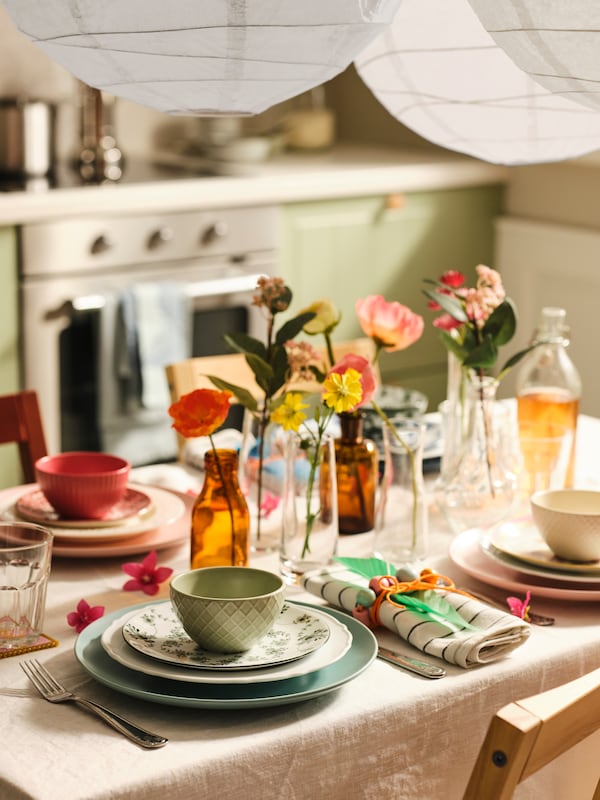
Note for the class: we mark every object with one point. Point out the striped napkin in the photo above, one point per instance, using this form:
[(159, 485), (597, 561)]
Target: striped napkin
[(492, 633)]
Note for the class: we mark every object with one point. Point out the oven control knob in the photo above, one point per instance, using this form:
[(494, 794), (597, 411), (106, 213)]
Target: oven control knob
[(100, 245), (216, 231), (159, 237)]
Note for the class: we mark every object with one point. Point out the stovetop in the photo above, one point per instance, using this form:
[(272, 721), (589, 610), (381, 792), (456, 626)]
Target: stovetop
[(66, 176)]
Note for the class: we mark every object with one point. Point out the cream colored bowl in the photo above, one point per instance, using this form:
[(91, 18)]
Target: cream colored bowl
[(569, 521), (227, 609)]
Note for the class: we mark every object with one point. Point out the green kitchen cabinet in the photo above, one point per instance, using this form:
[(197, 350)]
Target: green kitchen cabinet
[(348, 248), (10, 470)]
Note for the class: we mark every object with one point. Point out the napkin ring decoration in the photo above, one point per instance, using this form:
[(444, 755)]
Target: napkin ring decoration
[(385, 588)]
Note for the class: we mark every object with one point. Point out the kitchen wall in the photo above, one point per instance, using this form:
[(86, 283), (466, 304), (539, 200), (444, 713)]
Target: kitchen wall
[(564, 194)]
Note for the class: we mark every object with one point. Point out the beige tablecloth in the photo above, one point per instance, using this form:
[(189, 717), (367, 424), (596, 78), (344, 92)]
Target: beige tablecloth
[(386, 733)]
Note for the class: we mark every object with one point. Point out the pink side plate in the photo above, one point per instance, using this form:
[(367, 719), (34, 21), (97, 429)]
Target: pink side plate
[(159, 526), (170, 535), (466, 553), (35, 507)]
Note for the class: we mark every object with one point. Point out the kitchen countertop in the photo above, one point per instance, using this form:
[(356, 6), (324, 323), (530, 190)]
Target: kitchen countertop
[(343, 171)]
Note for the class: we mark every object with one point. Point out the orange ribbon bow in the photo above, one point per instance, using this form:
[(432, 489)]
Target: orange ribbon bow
[(385, 586)]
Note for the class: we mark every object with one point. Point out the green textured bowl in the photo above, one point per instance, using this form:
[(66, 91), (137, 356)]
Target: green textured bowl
[(227, 609)]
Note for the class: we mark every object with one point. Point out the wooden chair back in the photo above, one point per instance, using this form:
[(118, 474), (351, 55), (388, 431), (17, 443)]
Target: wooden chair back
[(526, 735), (21, 423), (185, 376), (189, 374)]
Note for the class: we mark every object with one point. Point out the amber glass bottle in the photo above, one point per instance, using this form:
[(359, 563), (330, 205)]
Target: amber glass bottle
[(220, 517), (356, 466)]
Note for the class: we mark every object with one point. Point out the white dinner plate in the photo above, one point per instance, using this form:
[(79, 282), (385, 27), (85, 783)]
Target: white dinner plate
[(167, 508), (521, 539), (97, 663), (156, 631), (530, 569), (340, 640), (465, 551)]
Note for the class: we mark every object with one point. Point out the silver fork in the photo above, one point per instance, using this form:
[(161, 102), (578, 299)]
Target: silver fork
[(51, 690)]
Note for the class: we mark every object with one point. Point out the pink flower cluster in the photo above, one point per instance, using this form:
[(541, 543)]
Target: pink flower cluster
[(301, 356), (479, 302)]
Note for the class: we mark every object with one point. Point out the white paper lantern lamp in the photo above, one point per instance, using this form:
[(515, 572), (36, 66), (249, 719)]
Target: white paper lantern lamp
[(439, 72), (556, 43), (206, 57)]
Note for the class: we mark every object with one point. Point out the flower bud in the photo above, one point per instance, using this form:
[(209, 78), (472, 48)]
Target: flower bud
[(325, 320)]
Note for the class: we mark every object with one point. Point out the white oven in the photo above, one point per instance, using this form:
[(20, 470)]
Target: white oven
[(77, 278)]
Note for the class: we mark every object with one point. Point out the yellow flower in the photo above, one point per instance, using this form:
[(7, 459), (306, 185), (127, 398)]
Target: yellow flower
[(290, 413), (342, 391)]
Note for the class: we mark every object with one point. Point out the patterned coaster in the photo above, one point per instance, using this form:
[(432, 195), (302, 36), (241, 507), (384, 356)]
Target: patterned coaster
[(42, 643)]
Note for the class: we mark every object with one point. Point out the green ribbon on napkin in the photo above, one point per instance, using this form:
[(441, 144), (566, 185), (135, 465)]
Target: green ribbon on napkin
[(418, 595)]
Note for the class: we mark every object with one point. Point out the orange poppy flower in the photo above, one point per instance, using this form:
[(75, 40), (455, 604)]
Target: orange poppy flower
[(201, 412)]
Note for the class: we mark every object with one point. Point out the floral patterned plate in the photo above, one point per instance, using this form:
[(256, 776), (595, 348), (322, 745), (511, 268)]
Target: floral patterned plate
[(156, 632), (338, 644)]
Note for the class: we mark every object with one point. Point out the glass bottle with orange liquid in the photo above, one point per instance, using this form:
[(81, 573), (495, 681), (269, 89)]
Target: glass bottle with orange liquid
[(220, 517), (548, 384)]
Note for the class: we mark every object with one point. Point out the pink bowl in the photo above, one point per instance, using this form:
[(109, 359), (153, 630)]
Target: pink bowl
[(82, 485)]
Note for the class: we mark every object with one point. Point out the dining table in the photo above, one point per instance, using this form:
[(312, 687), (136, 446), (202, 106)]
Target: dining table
[(377, 731)]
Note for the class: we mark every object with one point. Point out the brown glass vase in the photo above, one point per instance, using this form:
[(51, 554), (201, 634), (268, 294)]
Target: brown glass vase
[(356, 467), (220, 518)]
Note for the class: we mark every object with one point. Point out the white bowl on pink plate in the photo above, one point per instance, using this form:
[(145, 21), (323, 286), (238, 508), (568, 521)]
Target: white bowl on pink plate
[(569, 522)]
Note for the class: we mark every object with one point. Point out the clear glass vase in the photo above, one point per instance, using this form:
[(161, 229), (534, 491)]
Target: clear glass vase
[(402, 519), (483, 487), (309, 532), (261, 478), (455, 417)]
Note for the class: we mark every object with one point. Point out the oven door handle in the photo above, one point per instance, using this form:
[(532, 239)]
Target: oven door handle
[(220, 286), (212, 288)]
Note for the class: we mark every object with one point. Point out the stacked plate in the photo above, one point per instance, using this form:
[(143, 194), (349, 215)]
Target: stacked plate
[(513, 555), (144, 652), (146, 518)]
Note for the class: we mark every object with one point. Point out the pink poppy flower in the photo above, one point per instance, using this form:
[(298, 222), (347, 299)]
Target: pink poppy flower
[(146, 575), (84, 615), (392, 326), (363, 367), (520, 608)]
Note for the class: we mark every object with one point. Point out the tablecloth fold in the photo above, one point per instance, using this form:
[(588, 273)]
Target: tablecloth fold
[(496, 633)]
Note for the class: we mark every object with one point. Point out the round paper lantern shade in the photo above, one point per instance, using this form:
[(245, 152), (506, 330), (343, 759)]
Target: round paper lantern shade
[(557, 43), (205, 57), (438, 71)]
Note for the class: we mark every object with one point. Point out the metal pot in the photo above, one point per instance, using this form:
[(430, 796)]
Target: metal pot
[(27, 137)]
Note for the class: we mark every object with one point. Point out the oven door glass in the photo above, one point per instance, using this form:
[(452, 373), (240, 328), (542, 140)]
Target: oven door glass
[(79, 353)]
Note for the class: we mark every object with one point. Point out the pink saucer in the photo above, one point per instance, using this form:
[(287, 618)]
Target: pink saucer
[(34, 507)]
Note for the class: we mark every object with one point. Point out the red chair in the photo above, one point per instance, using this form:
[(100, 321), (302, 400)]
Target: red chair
[(21, 422)]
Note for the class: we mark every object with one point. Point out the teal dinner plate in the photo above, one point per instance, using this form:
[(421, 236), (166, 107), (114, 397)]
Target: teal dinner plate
[(94, 659)]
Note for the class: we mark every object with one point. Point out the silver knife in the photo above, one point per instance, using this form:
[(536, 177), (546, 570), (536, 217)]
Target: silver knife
[(411, 664)]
